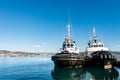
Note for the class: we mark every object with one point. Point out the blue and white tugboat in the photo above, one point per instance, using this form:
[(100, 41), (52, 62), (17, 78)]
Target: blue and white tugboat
[(69, 55), (97, 54)]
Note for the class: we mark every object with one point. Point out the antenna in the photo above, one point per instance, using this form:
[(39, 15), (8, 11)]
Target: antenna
[(68, 26), (68, 30), (94, 34)]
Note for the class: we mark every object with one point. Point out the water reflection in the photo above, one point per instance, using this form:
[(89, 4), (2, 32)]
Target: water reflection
[(84, 74), (102, 74), (68, 73)]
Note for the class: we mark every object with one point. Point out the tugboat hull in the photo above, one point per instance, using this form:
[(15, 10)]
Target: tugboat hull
[(68, 60), (102, 59), (69, 63), (103, 63)]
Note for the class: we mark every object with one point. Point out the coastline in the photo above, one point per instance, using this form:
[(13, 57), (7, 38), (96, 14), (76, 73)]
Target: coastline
[(5, 53)]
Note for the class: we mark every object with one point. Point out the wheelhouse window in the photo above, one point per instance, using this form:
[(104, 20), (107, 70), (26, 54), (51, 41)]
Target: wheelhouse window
[(101, 45), (71, 45), (96, 45), (68, 45), (92, 46)]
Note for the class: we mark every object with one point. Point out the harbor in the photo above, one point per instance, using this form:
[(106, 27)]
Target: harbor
[(59, 39)]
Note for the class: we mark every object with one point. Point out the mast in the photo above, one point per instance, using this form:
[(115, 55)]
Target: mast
[(68, 26), (94, 35), (68, 30)]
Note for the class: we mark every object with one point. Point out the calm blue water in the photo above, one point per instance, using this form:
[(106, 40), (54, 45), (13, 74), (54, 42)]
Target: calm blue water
[(42, 68)]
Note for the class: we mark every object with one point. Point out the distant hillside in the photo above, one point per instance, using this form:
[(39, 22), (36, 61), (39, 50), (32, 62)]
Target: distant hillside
[(116, 52), (6, 53)]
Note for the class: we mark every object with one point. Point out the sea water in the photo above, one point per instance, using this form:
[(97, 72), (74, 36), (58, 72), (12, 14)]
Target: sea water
[(42, 68)]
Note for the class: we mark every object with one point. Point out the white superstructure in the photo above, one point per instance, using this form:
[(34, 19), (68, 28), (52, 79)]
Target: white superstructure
[(69, 45), (95, 45)]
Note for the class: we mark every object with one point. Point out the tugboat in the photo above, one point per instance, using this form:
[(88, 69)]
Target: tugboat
[(98, 55), (69, 55)]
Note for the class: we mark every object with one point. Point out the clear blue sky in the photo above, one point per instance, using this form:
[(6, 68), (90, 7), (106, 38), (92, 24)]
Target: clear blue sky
[(40, 25)]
